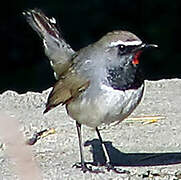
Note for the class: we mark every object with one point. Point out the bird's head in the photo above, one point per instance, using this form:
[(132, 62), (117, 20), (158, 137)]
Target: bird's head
[(122, 50)]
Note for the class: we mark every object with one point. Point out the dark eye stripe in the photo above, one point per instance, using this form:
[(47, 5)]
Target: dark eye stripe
[(126, 49)]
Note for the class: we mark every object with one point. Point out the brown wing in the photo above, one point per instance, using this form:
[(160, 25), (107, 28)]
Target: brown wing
[(65, 90)]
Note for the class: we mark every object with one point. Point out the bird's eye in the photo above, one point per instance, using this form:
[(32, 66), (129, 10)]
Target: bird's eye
[(121, 47)]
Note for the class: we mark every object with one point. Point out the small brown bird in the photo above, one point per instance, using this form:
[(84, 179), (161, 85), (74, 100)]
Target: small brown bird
[(101, 83)]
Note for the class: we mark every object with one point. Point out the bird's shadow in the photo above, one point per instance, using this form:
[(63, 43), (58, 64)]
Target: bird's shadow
[(118, 158)]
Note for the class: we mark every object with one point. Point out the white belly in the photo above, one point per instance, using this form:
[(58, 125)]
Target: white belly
[(108, 106)]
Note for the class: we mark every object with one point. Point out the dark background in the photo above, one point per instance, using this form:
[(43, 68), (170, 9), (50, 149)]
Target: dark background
[(24, 67)]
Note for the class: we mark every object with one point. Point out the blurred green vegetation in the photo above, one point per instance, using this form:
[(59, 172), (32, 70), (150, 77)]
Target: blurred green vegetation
[(25, 67)]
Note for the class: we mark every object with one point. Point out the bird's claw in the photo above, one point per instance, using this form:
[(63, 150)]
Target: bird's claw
[(110, 167), (84, 168)]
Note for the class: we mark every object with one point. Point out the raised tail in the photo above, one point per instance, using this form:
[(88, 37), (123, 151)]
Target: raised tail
[(58, 51)]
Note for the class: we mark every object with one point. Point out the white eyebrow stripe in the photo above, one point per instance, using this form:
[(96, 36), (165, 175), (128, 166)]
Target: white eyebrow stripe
[(128, 43)]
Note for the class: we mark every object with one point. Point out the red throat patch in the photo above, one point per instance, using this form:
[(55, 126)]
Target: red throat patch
[(136, 58)]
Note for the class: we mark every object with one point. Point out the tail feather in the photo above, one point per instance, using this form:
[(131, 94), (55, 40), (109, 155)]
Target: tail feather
[(42, 24), (57, 50)]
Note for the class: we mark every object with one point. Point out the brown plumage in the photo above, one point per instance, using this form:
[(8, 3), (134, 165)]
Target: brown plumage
[(68, 87)]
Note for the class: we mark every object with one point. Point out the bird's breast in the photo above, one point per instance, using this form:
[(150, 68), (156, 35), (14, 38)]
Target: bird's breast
[(104, 105)]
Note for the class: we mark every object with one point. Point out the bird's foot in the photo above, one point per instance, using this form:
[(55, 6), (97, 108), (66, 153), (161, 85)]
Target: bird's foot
[(85, 168), (110, 167)]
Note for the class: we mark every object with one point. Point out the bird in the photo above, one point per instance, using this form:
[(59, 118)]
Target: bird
[(99, 84)]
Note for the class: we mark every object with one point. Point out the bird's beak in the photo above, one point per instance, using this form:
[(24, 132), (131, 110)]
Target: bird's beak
[(147, 46), (140, 49), (144, 46)]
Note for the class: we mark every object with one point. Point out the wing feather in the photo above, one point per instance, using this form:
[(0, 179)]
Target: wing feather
[(65, 90)]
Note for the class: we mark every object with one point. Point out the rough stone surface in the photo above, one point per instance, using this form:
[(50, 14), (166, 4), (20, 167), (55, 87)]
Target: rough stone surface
[(143, 150)]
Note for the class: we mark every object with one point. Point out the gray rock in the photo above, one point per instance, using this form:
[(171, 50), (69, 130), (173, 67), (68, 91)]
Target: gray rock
[(136, 147)]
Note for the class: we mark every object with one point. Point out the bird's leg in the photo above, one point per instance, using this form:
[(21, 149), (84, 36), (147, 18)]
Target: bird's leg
[(82, 164), (108, 164), (103, 147)]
